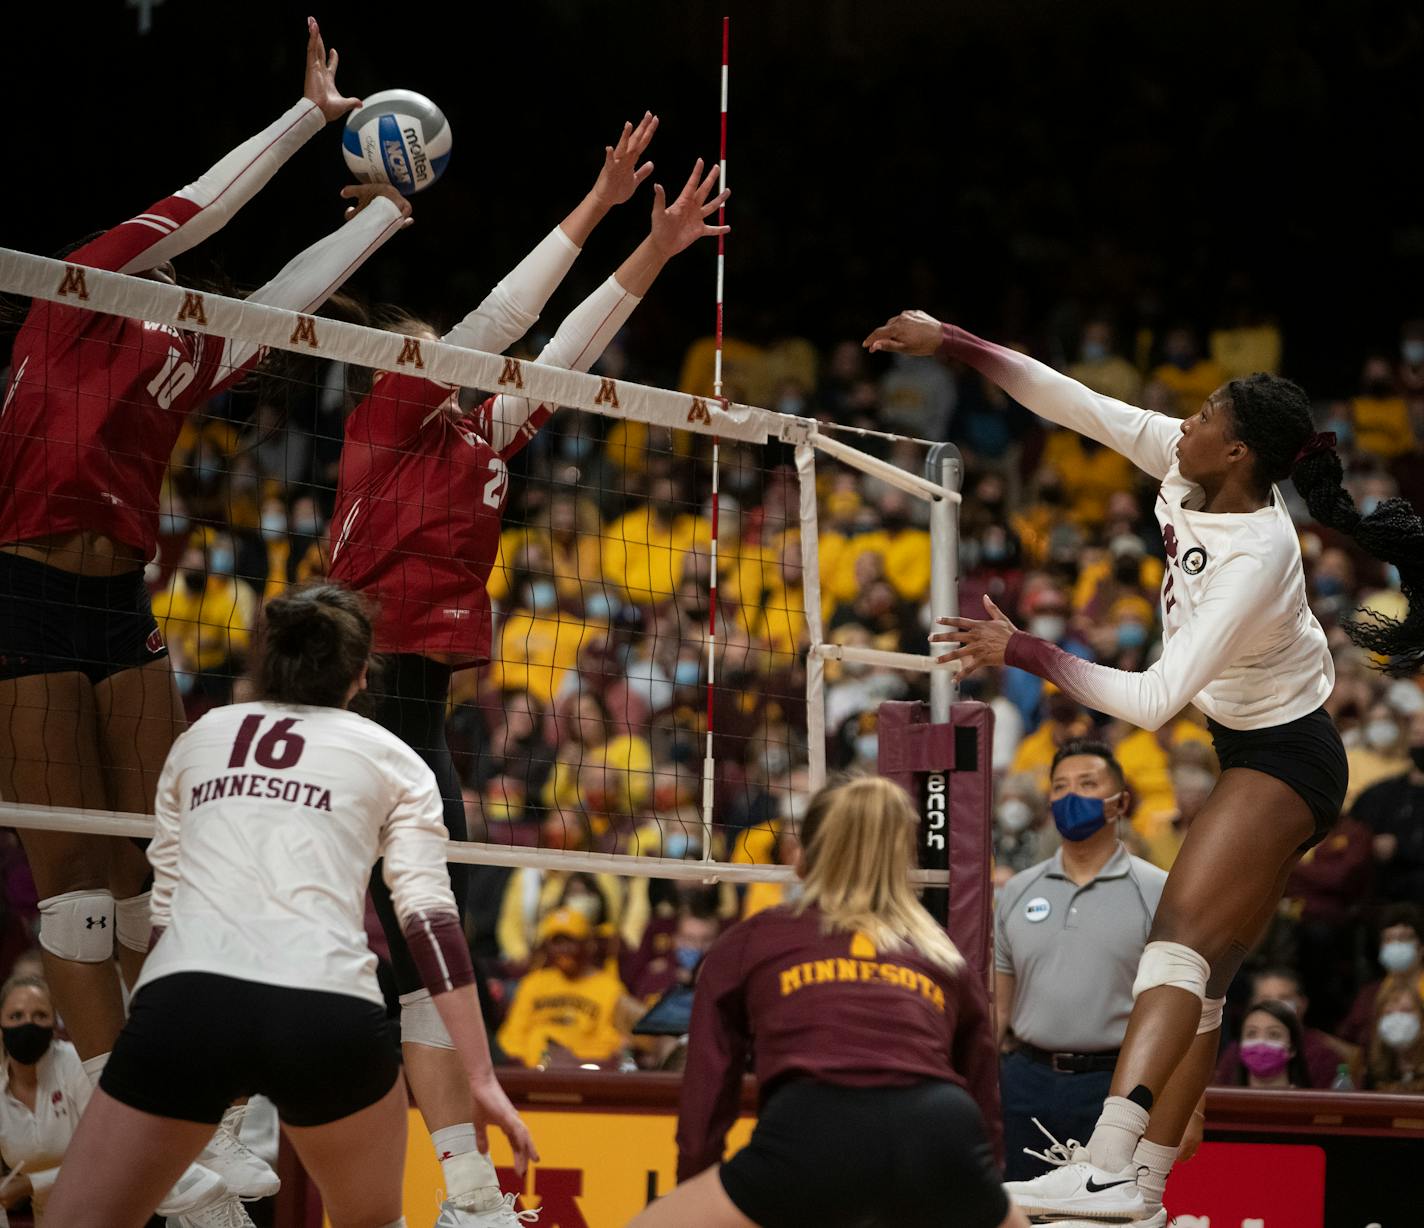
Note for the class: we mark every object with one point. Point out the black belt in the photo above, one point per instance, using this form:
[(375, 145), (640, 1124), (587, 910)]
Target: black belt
[(1069, 1063)]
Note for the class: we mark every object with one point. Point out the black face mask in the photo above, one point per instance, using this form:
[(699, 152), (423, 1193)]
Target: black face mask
[(27, 1042), (1417, 754), (195, 580)]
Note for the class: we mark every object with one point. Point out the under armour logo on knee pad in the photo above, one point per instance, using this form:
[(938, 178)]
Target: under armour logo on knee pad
[(96, 923)]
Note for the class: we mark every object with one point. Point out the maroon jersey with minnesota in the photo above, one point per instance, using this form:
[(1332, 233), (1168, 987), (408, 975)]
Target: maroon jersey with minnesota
[(418, 511), (811, 1004)]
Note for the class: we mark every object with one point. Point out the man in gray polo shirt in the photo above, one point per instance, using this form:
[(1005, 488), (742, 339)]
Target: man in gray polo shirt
[(1068, 937)]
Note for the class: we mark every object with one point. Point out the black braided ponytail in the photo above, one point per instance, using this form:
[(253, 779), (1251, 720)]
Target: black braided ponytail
[(1272, 417)]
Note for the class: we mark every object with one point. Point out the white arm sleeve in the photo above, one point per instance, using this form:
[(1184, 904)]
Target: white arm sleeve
[(311, 277), (163, 849), (1206, 645), (510, 309), (413, 843), (1147, 439), (232, 182), (577, 345)]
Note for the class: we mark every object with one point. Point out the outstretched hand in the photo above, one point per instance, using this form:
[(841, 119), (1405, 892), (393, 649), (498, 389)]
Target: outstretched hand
[(321, 77), (364, 193), (982, 642), (910, 332), (680, 224), (621, 175)]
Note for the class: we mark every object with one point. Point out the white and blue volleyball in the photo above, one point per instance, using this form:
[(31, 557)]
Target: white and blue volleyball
[(397, 137)]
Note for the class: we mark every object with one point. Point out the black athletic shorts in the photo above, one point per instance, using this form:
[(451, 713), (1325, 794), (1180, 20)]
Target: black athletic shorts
[(53, 621), (1305, 753), (862, 1157), (195, 1042)]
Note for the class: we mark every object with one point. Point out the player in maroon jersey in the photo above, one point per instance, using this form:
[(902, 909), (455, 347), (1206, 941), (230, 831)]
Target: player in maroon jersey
[(416, 527), (872, 1044), (88, 705)]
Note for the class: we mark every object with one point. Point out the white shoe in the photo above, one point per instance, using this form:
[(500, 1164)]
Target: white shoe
[(1076, 1187), (225, 1213), (502, 1216), (196, 1190), (1152, 1221), (246, 1173)]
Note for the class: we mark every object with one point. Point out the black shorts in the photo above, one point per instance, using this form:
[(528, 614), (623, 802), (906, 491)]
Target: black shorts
[(861, 1157), (1305, 754), (53, 621), (195, 1042)]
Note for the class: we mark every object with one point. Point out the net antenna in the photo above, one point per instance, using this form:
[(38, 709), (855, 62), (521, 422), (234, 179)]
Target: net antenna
[(709, 764)]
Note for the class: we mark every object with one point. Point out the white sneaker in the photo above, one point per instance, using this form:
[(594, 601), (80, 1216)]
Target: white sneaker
[(246, 1173), (502, 1216), (1159, 1220), (197, 1189), (1075, 1186), (225, 1213)]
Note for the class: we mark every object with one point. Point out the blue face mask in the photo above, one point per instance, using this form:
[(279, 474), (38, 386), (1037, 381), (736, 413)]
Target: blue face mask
[(221, 561), (543, 596), (1094, 351), (1131, 635), (1078, 817), (687, 673), (676, 845), (687, 958)]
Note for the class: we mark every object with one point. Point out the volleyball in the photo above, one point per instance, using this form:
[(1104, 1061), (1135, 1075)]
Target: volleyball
[(397, 137)]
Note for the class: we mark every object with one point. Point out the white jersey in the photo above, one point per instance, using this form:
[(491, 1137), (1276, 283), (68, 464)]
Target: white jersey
[(269, 818), (1239, 638)]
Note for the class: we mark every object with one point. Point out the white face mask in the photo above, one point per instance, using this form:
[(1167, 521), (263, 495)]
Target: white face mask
[(1398, 957), (1048, 627), (1399, 1029), (1014, 814), (1381, 734)]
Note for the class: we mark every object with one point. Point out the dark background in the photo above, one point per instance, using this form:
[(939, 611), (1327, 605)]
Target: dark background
[(1009, 163)]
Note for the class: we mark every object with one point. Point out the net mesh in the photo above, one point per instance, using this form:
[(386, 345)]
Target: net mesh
[(581, 741)]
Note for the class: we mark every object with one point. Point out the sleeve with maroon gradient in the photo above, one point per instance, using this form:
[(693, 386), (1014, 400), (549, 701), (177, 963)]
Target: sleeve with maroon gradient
[(1148, 440), (974, 1056), (182, 221), (413, 851), (1196, 654), (719, 1043)]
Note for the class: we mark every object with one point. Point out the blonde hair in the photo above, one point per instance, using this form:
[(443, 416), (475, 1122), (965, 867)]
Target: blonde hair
[(858, 846)]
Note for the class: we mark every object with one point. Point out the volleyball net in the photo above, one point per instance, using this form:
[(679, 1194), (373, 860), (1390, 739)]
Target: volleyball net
[(610, 732)]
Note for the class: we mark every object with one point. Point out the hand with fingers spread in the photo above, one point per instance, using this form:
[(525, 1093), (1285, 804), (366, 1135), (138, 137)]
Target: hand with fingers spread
[(364, 193), (321, 77), (982, 642), (680, 224), (621, 174), (910, 332)]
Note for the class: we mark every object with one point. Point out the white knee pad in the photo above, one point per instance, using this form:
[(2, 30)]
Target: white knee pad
[(78, 925), (1170, 963), (421, 1023), (1211, 1015), (133, 925)]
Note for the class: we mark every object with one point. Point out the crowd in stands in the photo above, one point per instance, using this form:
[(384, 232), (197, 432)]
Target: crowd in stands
[(587, 730)]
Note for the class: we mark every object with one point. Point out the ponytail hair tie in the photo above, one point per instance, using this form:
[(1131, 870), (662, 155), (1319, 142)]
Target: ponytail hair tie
[(1324, 441)]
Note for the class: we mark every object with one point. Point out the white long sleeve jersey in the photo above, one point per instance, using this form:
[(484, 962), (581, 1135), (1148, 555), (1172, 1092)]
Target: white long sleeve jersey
[(269, 818), (1239, 639)]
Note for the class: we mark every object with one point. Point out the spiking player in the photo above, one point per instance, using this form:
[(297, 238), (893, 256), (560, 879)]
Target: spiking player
[(1241, 643), (416, 528), (88, 705), (269, 816)]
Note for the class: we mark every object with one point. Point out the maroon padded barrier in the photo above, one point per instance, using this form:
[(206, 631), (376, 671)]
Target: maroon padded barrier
[(946, 770)]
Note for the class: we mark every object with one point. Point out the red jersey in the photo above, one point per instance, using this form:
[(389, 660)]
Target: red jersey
[(803, 1002), (97, 401), (418, 512)]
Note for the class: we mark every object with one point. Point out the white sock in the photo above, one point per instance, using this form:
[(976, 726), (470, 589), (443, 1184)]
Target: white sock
[(470, 1180), (94, 1067), (1120, 1126), (1157, 1160)]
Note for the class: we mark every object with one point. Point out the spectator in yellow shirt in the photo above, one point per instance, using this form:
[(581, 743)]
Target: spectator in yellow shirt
[(1102, 368), (1191, 377), (206, 616), (539, 643), (1088, 473), (568, 1008), (1382, 426), (644, 550)]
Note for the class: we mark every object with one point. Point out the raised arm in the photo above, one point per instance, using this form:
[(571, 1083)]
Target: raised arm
[(512, 307), (1148, 440), (585, 334), (192, 214)]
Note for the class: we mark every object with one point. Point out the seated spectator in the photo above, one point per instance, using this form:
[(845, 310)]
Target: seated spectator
[(1382, 426), (567, 1009), (43, 1091), (644, 550), (1321, 1054), (1382, 751), (1401, 956), (1269, 1051), (1162, 836), (1023, 834), (533, 894), (695, 931), (1065, 722), (1393, 810), (1102, 367), (917, 397), (1090, 474), (1190, 377), (1397, 1044), (1045, 613)]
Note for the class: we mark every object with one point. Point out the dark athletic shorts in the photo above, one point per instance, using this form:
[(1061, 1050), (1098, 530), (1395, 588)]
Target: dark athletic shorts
[(863, 1157), (1305, 753), (195, 1042), (53, 621)]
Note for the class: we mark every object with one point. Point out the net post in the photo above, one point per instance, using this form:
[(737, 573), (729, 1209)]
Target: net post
[(944, 466), (811, 599)]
